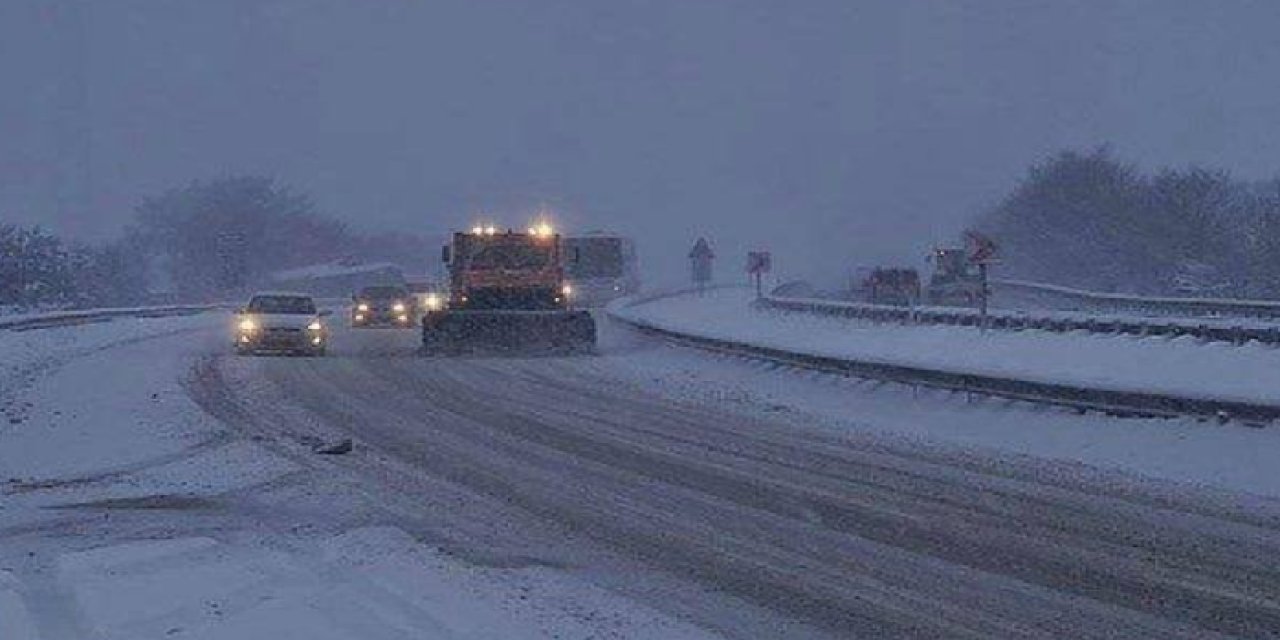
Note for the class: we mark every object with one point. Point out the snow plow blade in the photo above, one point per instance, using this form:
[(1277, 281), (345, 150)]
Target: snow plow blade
[(509, 331)]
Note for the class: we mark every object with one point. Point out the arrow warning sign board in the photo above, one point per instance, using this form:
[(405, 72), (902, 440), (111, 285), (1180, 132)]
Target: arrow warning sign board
[(759, 262)]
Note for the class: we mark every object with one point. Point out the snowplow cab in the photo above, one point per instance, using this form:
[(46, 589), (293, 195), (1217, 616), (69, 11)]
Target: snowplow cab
[(507, 290)]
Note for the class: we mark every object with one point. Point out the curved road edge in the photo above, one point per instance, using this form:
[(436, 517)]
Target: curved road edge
[(1116, 402)]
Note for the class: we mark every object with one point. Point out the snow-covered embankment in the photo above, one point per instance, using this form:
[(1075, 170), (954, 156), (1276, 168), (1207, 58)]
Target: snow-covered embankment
[(1183, 367)]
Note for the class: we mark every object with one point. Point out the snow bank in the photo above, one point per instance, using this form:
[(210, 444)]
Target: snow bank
[(1178, 366), (371, 583), (71, 405)]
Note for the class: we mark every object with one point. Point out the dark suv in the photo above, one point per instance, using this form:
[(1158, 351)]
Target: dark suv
[(386, 306)]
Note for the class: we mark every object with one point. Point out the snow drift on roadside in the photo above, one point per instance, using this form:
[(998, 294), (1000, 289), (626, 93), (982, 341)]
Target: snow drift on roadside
[(1181, 366)]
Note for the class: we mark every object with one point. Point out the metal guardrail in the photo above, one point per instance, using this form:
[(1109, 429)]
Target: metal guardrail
[(88, 316), (1237, 332), (1117, 402), (1148, 305)]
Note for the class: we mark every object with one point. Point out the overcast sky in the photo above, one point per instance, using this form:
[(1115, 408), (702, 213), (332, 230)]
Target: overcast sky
[(832, 131)]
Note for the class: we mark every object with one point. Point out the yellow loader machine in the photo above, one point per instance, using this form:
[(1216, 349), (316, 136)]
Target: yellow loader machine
[(507, 291)]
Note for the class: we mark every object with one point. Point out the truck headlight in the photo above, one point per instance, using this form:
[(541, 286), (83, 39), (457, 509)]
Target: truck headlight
[(315, 326), (362, 307), (247, 325)]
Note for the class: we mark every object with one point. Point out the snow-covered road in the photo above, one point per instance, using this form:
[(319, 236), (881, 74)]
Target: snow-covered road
[(156, 487)]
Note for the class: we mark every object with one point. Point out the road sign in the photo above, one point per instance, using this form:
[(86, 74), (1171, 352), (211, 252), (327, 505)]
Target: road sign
[(700, 258), (759, 262), (982, 252), (982, 249)]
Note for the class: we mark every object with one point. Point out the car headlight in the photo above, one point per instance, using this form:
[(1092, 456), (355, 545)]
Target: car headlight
[(315, 326), (247, 325), (362, 307), (433, 302), (398, 307), (566, 290)]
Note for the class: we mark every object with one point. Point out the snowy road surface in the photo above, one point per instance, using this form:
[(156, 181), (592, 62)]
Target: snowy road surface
[(161, 488)]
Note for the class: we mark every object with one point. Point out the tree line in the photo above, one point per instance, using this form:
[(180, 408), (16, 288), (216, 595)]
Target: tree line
[(1090, 220), (206, 240)]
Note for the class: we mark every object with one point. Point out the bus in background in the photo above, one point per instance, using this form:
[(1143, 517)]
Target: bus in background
[(601, 268)]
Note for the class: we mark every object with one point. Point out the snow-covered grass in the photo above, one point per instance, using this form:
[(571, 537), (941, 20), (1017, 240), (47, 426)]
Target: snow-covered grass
[(372, 583), (27, 357), (1181, 366)]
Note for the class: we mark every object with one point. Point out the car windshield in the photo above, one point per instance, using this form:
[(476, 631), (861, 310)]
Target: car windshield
[(383, 293), (289, 305)]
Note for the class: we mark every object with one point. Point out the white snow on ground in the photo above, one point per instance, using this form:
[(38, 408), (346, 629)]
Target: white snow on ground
[(1183, 366), (370, 583), (1229, 457), (26, 357), (98, 413)]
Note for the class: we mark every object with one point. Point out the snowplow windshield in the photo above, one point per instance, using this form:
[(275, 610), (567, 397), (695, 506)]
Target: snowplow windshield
[(510, 256), (286, 305)]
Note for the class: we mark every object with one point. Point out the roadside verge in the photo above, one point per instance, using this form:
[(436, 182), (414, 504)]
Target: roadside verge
[(724, 330)]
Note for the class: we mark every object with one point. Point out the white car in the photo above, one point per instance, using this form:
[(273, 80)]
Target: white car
[(281, 323)]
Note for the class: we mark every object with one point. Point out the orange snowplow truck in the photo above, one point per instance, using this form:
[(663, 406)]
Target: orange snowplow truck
[(507, 290)]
